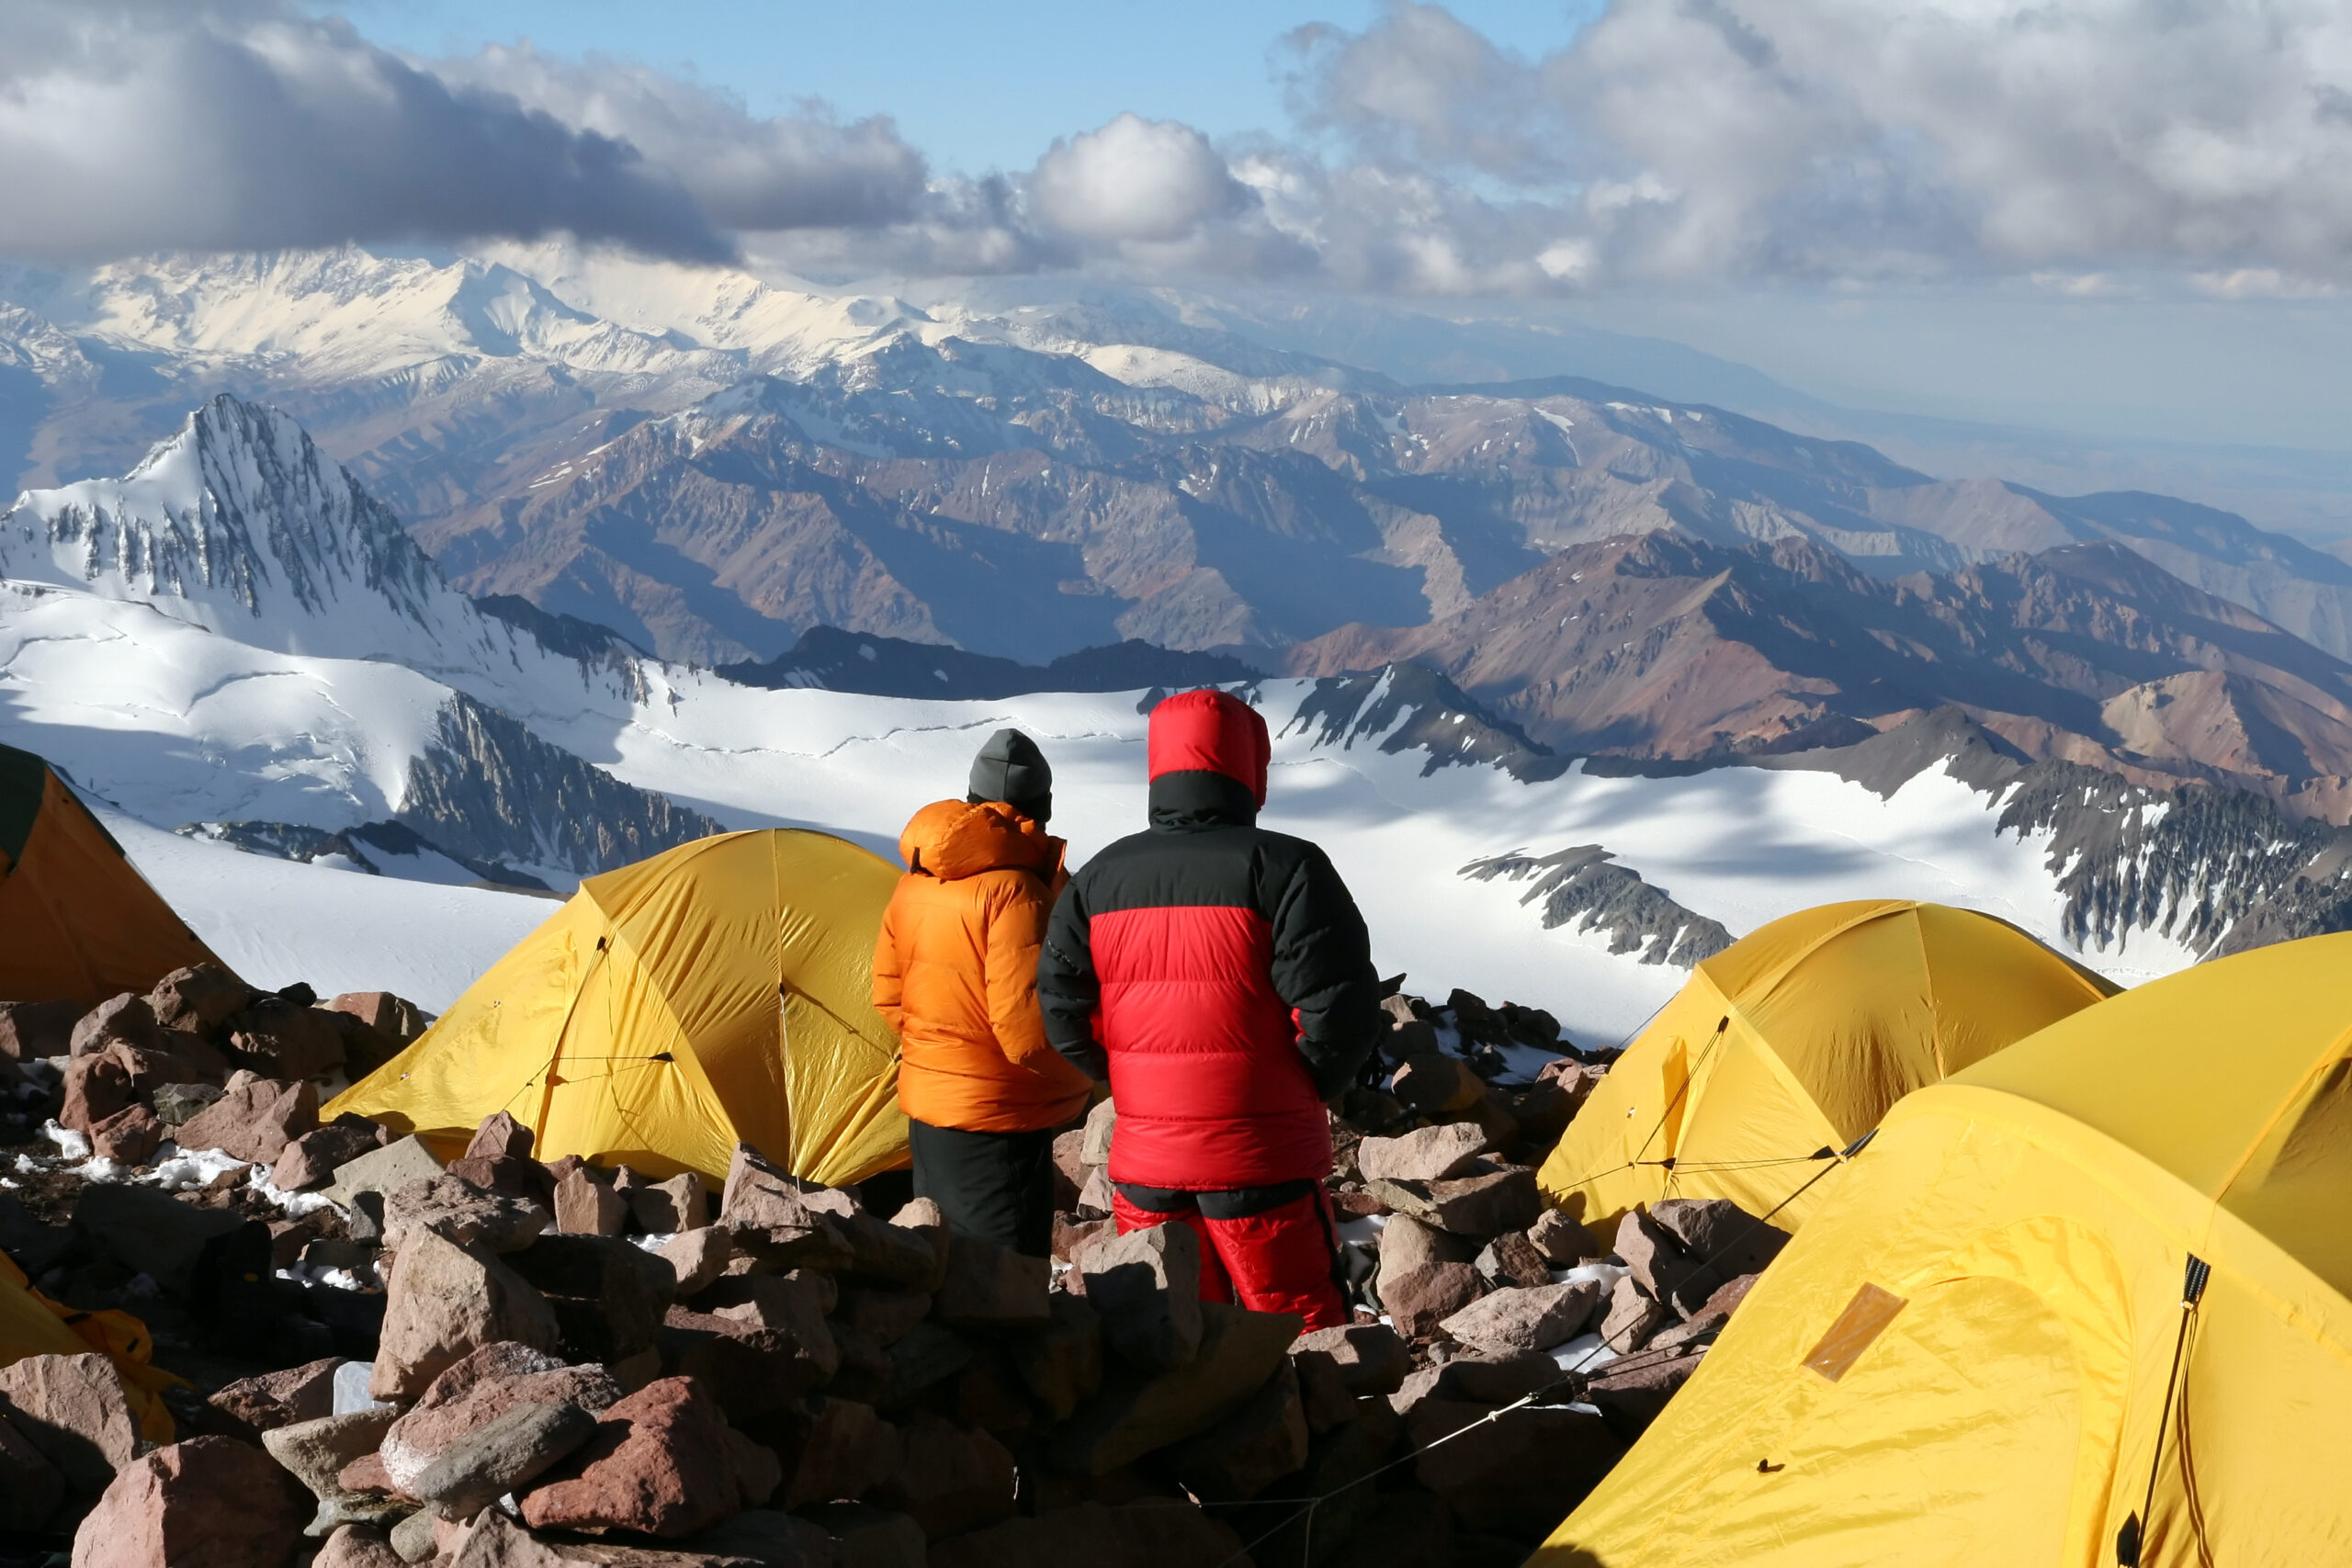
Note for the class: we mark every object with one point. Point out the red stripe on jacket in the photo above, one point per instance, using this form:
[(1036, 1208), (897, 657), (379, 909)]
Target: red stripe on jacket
[(1205, 1064)]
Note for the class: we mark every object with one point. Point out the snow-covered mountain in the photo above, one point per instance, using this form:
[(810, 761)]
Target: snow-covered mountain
[(575, 428), (233, 677)]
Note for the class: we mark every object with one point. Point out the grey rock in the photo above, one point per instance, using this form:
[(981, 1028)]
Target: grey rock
[(1526, 1317), (316, 1452), (385, 1170), (501, 1457)]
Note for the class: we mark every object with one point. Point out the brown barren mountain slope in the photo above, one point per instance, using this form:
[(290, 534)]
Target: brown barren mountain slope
[(1665, 647)]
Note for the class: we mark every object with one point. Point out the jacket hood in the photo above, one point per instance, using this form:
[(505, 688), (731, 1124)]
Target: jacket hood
[(954, 839), (1214, 732)]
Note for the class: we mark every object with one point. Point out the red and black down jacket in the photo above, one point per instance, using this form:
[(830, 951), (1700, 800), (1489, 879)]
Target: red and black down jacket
[(1216, 974)]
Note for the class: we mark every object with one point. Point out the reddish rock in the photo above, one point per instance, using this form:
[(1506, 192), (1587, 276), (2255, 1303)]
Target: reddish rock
[(1422, 1298), (127, 1018), (511, 1176), (1526, 1318), (663, 1462), (989, 1286), (201, 999), (312, 1159), (775, 1216), (608, 1296), (282, 1040), (1629, 1398), (256, 1404), (1562, 1241), (1249, 1449), (457, 1211), (367, 1474), (1512, 1259), (664, 1207), (1061, 1364), (884, 1314), (1725, 1300), (1133, 1415), (1721, 1233), (1073, 1237), (95, 1088), (357, 1546), (1429, 1154), (442, 1303), (1147, 1286), (1516, 1475), (1435, 1084), (1665, 1271), (751, 1370), (396, 1019), (30, 1487), (700, 1256), (850, 1452), (585, 1205), (254, 1120), (949, 1478), (1631, 1317), (500, 1137), (1370, 1357), (74, 1410), (31, 1030), (480, 1389), (130, 1136), (206, 1502)]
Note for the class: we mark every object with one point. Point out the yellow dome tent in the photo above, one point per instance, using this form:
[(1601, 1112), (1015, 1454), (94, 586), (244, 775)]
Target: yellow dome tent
[(720, 991), (77, 921), (1792, 1043), (1980, 1349)]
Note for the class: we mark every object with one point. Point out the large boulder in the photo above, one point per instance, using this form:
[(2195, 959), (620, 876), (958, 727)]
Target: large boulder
[(1422, 1299), (991, 1287), (255, 1118), (315, 1452), (201, 999), (443, 1302), (1721, 1233), (396, 1019), (74, 1410), (1429, 1154), (477, 1391), (585, 1203), (774, 1215), (457, 1211), (251, 1406), (127, 1018), (385, 1170), (130, 1136), (609, 1295), (1660, 1265), (312, 1159), (1147, 1286), (1249, 1449), (281, 1039), (662, 1463), (1136, 1413), (31, 1489), (501, 1455), (1516, 1475), (1632, 1316), (1369, 1358), (207, 1503), (34, 1030), (96, 1088), (949, 1478), (1526, 1317)]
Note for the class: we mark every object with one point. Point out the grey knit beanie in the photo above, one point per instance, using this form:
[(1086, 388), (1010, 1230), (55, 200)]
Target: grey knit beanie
[(1010, 768)]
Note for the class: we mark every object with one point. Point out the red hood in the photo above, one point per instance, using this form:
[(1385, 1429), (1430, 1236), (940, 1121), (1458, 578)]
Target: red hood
[(1211, 731)]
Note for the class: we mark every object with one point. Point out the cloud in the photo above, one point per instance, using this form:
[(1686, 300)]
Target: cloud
[(1150, 180), (2061, 143), (127, 128), (790, 171)]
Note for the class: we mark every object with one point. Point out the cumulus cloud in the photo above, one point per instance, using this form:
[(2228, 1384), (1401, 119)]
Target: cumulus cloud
[(2063, 142), (1703, 138), (138, 127), (790, 171)]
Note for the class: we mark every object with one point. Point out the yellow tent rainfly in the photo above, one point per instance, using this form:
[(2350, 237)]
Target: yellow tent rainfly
[(77, 919), (1793, 1043), (717, 992), (2085, 1303)]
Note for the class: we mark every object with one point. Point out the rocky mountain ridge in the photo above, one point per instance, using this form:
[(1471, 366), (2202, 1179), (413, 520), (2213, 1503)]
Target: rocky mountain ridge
[(1021, 479), (1654, 646)]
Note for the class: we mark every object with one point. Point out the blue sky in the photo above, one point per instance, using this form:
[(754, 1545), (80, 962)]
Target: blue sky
[(978, 87)]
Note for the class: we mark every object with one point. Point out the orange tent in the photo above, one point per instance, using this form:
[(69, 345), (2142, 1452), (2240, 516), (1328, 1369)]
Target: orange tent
[(77, 921)]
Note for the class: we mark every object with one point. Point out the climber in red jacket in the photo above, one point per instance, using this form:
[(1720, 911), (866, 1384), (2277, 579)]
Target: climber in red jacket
[(1220, 977)]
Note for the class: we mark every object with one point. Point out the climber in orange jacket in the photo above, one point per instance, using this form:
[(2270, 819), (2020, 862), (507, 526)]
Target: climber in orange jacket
[(955, 974)]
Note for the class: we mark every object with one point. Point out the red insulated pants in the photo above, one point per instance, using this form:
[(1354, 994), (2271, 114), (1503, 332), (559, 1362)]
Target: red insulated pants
[(1270, 1248)]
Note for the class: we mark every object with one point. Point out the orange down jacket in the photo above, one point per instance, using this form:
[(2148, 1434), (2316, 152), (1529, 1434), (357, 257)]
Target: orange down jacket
[(956, 972)]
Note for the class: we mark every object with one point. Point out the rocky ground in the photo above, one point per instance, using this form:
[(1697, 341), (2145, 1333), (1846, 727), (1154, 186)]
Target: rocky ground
[(505, 1362)]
